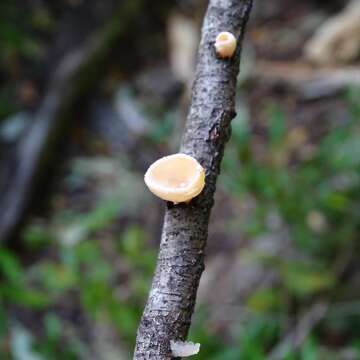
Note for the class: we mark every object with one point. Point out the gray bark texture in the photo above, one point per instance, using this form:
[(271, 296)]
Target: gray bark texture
[(167, 315)]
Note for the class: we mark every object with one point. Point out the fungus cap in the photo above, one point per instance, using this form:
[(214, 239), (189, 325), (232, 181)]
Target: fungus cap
[(225, 44), (177, 178)]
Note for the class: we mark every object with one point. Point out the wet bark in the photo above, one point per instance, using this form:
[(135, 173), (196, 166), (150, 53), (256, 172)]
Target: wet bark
[(171, 301)]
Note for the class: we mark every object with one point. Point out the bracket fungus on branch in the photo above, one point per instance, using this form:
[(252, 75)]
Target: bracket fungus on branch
[(177, 178)]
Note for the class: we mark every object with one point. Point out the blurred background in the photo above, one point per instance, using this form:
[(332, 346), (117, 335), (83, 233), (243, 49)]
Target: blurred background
[(94, 91)]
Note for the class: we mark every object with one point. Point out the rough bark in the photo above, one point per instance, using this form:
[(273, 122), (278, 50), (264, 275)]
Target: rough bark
[(168, 312)]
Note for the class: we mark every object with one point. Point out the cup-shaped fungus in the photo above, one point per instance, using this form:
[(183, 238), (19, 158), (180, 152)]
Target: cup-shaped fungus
[(177, 178), (225, 44)]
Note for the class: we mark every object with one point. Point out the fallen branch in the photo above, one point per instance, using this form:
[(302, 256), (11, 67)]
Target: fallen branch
[(168, 312)]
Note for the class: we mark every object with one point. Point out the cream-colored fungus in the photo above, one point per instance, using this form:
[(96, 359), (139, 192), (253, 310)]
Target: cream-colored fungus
[(225, 44), (177, 178)]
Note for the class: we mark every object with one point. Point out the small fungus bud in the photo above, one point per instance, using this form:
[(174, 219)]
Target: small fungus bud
[(177, 178), (225, 44)]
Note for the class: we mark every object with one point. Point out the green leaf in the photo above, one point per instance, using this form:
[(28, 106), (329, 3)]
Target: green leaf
[(264, 300), (10, 267), (277, 128), (303, 279), (53, 326), (24, 296), (57, 278), (36, 236)]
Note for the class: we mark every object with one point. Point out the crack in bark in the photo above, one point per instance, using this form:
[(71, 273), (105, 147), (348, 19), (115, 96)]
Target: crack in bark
[(181, 259)]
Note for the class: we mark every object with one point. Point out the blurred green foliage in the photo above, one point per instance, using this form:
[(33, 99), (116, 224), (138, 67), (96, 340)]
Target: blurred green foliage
[(312, 188), (82, 270)]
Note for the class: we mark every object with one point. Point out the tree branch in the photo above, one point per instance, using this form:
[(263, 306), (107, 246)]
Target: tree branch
[(168, 312)]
